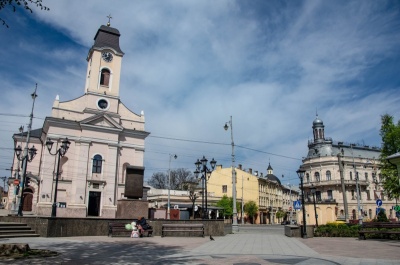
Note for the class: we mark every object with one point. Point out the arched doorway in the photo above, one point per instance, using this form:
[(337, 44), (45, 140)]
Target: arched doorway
[(28, 199)]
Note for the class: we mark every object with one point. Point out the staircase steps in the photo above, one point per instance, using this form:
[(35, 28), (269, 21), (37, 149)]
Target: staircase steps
[(10, 229)]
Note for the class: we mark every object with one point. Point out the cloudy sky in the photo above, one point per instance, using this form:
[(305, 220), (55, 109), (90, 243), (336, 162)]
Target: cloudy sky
[(190, 65)]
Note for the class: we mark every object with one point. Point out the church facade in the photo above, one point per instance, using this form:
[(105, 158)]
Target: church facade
[(106, 140)]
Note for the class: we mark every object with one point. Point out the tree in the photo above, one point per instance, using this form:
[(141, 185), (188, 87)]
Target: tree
[(251, 209), (226, 203), (14, 4), (180, 179), (390, 134)]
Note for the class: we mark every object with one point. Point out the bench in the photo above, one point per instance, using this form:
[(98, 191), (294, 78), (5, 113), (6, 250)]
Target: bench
[(174, 228), (118, 229), (379, 228)]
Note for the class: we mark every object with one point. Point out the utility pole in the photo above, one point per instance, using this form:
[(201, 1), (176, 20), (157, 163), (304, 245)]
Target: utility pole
[(346, 210), (25, 161), (242, 203)]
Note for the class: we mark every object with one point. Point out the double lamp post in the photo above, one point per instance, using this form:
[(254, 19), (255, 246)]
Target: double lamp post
[(62, 150), (201, 168)]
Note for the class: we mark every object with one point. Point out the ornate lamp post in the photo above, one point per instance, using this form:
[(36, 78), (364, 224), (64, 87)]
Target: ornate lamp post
[(300, 172), (169, 185), (313, 190), (61, 152), (26, 157), (201, 167), (235, 227)]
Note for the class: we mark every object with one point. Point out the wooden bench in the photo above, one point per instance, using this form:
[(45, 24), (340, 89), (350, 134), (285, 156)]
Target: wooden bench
[(118, 229), (174, 228), (378, 228)]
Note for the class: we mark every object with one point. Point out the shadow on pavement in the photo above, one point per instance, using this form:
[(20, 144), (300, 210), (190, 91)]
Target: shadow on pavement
[(107, 253)]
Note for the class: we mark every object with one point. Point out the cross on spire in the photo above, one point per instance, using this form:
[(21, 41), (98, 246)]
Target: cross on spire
[(109, 17)]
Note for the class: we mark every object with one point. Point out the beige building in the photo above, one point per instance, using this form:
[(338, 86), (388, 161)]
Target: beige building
[(359, 165), (106, 140), (266, 191)]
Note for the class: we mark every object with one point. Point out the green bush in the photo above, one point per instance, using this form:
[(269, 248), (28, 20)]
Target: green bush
[(337, 230)]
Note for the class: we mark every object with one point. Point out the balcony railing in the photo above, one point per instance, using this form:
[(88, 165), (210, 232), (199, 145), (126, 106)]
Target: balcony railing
[(335, 182)]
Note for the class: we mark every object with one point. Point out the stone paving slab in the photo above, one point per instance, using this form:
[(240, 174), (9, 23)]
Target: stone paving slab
[(237, 249)]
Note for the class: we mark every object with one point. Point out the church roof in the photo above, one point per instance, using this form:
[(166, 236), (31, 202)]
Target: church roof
[(107, 37)]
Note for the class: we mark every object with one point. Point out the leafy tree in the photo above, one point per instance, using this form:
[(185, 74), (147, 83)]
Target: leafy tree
[(382, 216), (390, 134), (25, 4), (251, 209), (180, 179), (226, 203), (280, 214)]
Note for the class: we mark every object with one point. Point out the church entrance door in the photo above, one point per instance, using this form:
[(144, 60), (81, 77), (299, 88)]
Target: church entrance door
[(94, 203), (27, 203)]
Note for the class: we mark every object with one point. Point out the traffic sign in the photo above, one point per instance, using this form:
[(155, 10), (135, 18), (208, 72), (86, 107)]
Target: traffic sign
[(16, 182), (379, 202), (297, 205)]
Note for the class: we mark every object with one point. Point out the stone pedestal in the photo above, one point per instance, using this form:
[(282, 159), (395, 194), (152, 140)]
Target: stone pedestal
[(132, 209)]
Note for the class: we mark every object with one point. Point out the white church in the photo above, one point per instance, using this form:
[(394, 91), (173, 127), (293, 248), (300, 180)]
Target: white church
[(106, 143)]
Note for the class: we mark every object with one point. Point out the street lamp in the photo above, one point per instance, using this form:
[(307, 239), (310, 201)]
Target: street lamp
[(26, 157), (313, 189), (169, 185), (201, 166), (61, 152), (300, 172), (235, 227), (291, 204)]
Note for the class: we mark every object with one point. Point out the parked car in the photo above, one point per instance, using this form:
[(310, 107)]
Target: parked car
[(1, 206)]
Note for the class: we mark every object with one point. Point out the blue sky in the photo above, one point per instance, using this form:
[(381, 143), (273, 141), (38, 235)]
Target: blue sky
[(190, 65)]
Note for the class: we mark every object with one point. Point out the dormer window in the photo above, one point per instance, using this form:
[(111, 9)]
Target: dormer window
[(105, 77)]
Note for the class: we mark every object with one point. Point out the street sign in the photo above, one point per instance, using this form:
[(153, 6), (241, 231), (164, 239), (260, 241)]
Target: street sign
[(379, 202), (297, 205), (16, 182)]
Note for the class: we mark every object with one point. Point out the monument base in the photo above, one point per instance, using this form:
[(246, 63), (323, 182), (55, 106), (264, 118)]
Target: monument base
[(132, 209)]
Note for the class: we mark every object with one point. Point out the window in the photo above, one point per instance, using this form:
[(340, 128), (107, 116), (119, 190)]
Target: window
[(330, 195), (105, 77), (368, 195), (351, 175), (317, 178), (97, 162), (307, 178), (352, 194), (328, 175), (318, 196), (224, 189), (366, 176)]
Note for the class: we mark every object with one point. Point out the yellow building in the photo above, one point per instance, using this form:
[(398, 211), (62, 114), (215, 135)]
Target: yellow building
[(266, 191)]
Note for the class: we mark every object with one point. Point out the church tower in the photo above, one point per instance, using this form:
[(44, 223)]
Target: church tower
[(104, 63)]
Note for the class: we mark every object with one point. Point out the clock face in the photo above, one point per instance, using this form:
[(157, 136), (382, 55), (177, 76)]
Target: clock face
[(107, 56)]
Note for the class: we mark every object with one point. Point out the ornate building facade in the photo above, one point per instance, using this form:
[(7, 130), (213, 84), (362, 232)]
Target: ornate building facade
[(342, 174)]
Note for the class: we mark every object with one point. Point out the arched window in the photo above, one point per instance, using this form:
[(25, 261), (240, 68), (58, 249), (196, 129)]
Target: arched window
[(97, 163), (317, 177), (105, 77), (328, 175), (307, 178)]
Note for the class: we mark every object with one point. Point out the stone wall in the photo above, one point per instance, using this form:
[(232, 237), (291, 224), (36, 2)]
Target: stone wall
[(68, 227)]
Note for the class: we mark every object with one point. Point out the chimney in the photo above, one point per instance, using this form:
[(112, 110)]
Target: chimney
[(250, 170), (240, 166), (219, 167), (261, 175)]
